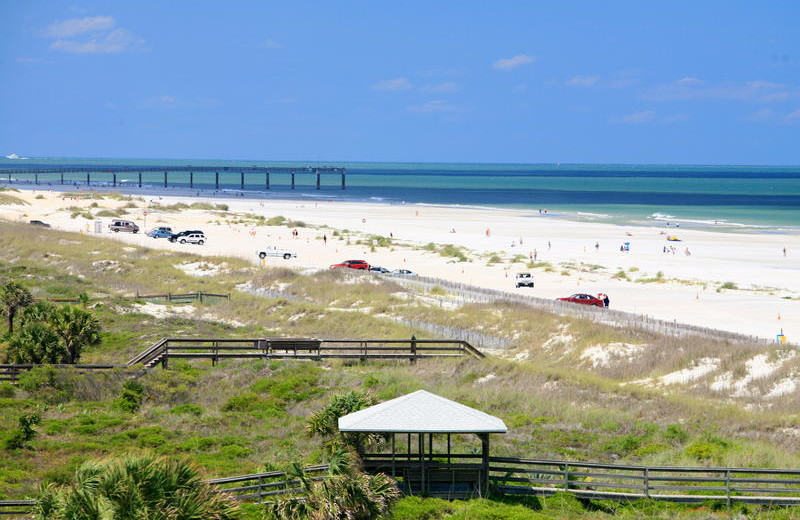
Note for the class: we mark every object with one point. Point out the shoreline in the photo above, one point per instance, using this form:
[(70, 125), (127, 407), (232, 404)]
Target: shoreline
[(554, 212), (733, 281)]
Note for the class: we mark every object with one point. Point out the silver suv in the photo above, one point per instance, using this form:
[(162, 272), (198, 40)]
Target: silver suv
[(194, 238), (123, 225)]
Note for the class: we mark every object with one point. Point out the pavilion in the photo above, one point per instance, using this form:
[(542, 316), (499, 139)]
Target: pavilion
[(420, 427)]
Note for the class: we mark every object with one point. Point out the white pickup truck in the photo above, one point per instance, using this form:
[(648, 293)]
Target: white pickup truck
[(274, 251)]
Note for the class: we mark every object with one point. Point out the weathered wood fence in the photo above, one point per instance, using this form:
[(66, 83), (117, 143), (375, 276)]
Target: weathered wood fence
[(182, 298), (628, 483)]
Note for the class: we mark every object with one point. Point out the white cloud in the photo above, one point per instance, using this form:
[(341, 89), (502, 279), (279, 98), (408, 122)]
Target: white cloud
[(447, 87), (794, 115), (393, 84), (436, 105), (95, 35), (583, 81), (519, 88), (693, 88), (639, 117), (76, 26), (270, 44), (686, 81), (513, 63)]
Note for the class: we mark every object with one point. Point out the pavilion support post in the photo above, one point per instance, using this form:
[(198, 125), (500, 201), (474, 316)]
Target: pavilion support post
[(394, 471), (483, 485), (292, 180), (423, 480), (216, 180), (448, 448), (430, 447)]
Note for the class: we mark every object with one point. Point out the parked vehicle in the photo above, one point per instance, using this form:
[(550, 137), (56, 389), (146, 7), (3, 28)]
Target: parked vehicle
[(352, 264), (194, 238), (160, 232), (275, 251), (177, 236), (378, 269), (123, 225), (524, 280), (584, 299), (404, 272), (39, 223)]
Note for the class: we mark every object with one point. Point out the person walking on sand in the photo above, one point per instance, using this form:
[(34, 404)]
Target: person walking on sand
[(597, 246), (784, 252), (535, 255), (325, 240)]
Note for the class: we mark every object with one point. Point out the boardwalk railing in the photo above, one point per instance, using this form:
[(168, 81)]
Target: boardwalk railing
[(12, 509), (217, 349), (261, 487), (619, 482)]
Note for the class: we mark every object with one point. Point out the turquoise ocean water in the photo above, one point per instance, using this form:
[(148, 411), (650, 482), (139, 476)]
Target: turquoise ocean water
[(744, 198)]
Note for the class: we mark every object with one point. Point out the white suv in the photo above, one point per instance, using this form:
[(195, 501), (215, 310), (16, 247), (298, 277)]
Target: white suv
[(524, 280), (194, 238)]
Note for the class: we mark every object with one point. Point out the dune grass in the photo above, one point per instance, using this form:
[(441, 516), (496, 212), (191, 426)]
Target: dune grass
[(246, 416)]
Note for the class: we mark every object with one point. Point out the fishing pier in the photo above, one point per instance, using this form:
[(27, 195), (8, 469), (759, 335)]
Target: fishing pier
[(166, 176)]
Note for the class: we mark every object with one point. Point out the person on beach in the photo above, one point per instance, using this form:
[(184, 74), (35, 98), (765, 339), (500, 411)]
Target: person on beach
[(535, 254), (325, 240), (597, 246), (784, 252)]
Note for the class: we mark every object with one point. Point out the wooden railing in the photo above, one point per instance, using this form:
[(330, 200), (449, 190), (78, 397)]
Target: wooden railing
[(667, 483), (182, 298), (216, 349), (12, 509), (260, 487)]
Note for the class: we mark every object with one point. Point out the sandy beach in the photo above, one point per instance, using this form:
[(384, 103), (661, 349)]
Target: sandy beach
[(738, 282)]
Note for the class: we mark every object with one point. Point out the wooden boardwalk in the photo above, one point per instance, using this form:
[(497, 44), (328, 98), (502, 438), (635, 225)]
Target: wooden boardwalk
[(220, 349)]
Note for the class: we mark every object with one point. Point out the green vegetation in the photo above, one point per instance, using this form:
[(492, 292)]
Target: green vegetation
[(135, 486), (457, 253), (52, 334), (242, 416), (11, 200), (728, 285)]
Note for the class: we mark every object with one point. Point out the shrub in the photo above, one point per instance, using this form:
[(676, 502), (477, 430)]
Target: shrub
[(48, 383), (26, 432), (189, 409), (676, 434), (7, 390), (131, 397)]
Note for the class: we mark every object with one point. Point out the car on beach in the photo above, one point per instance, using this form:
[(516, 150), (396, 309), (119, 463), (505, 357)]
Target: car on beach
[(378, 269), (177, 236), (523, 280), (277, 252), (584, 299), (193, 238), (352, 264), (39, 223), (160, 232), (404, 272), (123, 225)]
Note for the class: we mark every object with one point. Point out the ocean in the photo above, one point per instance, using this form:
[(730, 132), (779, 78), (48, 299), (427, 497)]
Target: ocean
[(763, 199)]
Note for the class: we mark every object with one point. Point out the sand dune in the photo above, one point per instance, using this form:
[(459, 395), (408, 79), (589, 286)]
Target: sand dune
[(763, 286)]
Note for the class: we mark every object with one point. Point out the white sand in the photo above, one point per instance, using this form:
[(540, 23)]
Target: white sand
[(766, 301)]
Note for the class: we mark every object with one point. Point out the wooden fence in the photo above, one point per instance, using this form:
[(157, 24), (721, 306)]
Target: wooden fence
[(218, 349), (261, 487), (12, 509), (627, 483), (182, 298)]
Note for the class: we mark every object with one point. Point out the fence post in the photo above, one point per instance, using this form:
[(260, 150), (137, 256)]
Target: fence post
[(566, 477), (728, 487), (200, 296), (647, 482)]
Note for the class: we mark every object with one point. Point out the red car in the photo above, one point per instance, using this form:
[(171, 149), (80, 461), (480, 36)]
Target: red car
[(352, 264), (585, 299)]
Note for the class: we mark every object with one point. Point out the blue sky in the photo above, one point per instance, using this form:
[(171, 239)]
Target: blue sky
[(710, 82)]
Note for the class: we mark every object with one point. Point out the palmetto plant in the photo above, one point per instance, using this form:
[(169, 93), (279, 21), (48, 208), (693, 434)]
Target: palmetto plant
[(13, 296), (135, 487)]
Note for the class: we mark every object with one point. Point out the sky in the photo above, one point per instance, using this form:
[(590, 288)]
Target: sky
[(645, 81)]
